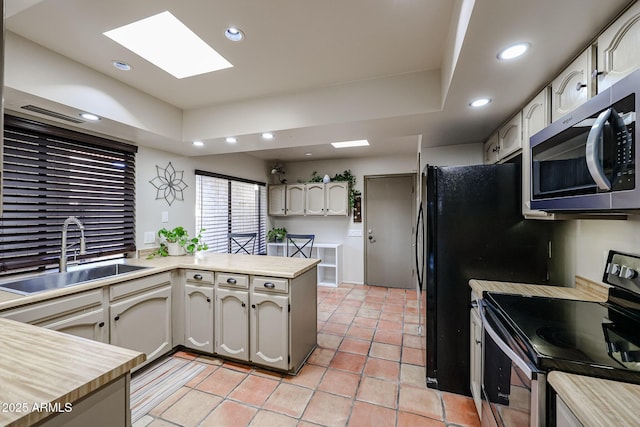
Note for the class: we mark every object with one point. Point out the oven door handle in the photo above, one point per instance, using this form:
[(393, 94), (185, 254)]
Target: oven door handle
[(527, 368), (593, 154)]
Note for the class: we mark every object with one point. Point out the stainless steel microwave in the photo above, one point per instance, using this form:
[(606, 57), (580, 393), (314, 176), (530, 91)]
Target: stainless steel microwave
[(586, 161)]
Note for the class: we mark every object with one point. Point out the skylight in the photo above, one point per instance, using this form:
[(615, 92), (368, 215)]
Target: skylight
[(347, 144), (169, 44)]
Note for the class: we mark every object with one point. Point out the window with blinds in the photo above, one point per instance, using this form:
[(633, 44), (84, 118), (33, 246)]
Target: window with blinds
[(52, 173), (225, 205)]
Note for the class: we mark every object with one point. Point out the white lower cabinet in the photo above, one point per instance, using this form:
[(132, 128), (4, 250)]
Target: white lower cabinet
[(142, 320), (232, 323), (89, 324), (198, 310), (269, 330), (476, 356)]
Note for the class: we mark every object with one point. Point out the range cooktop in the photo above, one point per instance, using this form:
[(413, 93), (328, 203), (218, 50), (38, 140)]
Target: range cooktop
[(590, 338)]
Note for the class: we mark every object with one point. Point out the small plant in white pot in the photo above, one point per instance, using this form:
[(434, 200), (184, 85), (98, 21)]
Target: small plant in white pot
[(178, 242)]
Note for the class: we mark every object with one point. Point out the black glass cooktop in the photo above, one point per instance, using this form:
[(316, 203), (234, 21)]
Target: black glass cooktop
[(582, 337)]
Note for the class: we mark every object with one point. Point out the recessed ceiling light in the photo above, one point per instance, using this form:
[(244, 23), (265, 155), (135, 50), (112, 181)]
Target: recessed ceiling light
[(234, 34), (267, 135), (231, 140), (308, 154), (121, 65), (480, 102), (347, 144), (513, 51), (89, 116), (198, 143), (169, 44)]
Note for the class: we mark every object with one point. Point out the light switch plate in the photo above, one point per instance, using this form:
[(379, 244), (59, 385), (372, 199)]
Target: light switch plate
[(149, 237), (355, 232), (165, 216)]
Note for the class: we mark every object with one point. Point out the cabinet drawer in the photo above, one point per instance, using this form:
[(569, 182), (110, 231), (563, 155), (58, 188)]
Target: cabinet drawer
[(270, 284), (199, 276), (54, 308), (232, 280), (138, 285)]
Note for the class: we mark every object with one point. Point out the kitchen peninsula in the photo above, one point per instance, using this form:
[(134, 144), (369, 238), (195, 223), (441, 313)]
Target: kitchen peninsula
[(170, 303)]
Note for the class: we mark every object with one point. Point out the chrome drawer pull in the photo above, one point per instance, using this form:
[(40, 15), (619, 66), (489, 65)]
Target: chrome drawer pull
[(231, 281), (269, 285), (197, 276)]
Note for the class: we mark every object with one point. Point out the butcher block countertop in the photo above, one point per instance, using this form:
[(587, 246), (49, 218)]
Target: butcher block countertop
[(584, 290), (272, 266), (40, 366), (597, 402)]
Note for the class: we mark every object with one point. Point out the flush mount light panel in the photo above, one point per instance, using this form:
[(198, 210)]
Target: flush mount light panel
[(170, 45), (347, 144), (198, 143)]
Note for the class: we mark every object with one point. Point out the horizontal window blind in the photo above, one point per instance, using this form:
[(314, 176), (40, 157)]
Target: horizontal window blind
[(230, 205), (52, 173)]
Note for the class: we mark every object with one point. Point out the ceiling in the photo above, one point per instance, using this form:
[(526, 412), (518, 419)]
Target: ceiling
[(395, 72)]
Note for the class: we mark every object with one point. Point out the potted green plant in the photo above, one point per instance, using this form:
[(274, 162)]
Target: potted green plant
[(276, 234), (177, 242)]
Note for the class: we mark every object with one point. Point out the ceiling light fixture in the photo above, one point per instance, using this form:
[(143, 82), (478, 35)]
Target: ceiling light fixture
[(169, 44), (231, 139), (480, 102), (89, 116), (234, 34), (121, 65), (514, 51), (267, 135), (347, 144), (198, 143), (308, 154)]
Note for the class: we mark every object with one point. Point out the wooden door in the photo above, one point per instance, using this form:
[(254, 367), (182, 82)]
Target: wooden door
[(232, 323), (270, 330), (618, 48), (198, 310), (389, 226), (573, 86)]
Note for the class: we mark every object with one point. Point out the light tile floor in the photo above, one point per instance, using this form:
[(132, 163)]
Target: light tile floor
[(368, 370)]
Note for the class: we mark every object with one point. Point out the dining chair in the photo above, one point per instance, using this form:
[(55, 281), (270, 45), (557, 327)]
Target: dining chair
[(242, 243), (300, 244)]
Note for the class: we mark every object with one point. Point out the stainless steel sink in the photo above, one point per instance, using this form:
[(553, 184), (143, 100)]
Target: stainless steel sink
[(50, 281)]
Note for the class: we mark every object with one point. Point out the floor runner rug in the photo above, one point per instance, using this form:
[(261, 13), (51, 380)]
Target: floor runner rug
[(153, 386)]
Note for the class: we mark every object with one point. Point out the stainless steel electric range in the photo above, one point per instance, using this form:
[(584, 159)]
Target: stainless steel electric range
[(526, 337)]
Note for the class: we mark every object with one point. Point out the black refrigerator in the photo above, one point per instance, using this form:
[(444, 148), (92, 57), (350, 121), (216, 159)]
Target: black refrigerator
[(474, 229)]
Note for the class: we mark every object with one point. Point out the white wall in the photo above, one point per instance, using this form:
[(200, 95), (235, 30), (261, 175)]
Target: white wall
[(580, 247), (149, 209), (336, 229)]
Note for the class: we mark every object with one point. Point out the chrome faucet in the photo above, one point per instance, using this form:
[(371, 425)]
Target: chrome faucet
[(64, 247)]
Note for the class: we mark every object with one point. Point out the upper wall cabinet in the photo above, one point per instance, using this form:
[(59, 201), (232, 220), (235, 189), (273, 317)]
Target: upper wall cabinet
[(490, 149), (510, 137), (505, 142), (618, 48), (535, 117), (573, 86), (277, 197), (309, 199)]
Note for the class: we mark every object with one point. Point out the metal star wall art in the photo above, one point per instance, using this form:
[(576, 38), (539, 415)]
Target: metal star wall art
[(169, 184)]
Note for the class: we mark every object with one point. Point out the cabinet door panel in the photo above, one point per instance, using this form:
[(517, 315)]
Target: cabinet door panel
[(231, 323), (337, 198), (270, 330), (491, 149), (573, 86), (295, 199), (276, 200), (90, 325), (510, 137), (618, 48), (199, 317), (143, 322), (315, 199)]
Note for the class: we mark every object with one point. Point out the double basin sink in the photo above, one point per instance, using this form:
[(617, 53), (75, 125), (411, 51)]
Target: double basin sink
[(51, 281)]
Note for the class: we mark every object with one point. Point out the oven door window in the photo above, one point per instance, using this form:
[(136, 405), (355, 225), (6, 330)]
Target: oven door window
[(559, 164), (506, 389)]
